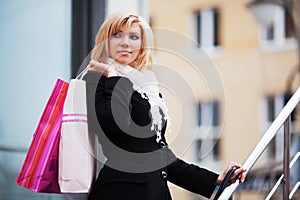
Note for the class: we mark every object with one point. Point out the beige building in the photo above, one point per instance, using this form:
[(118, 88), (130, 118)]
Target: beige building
[(224, 93)]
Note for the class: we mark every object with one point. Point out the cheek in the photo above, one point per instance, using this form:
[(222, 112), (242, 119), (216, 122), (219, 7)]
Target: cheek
[(112, 45), (137, 45)]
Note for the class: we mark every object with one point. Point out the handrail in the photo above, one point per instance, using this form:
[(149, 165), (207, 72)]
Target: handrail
[(12, 149), (281, 177), (294, 190), (264, 141)]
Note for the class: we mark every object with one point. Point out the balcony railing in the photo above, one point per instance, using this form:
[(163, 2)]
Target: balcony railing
[(296, 157), (284, 118)]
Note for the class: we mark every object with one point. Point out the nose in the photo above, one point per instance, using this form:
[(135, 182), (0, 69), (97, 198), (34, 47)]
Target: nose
[(125, 41)]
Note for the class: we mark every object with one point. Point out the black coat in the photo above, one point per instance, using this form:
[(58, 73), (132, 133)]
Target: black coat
[(138, 167)]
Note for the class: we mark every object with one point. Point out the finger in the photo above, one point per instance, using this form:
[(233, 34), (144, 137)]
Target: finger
[(92, 65), (229, 166), (243, 177), (239, 174), (96, 66), (236, 165), (92, 62), (92, 68)]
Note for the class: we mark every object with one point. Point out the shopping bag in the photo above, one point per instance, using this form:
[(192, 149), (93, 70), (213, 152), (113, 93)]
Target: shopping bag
[(77, 149), (40, 168)]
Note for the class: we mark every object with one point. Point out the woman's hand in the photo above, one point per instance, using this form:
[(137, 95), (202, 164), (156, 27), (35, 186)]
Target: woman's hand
[(102, 68), (239, 173)]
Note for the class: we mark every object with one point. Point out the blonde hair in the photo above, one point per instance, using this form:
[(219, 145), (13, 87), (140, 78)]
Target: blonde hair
[(113, 24)]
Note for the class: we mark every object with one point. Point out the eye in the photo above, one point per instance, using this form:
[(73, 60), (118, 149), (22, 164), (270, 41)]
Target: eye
[(117, 35), (134, 37)]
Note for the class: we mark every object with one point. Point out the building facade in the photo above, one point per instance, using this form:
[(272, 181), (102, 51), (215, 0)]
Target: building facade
[(257, 65)]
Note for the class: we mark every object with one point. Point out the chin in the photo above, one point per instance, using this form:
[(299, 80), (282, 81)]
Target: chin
[(123, 62)]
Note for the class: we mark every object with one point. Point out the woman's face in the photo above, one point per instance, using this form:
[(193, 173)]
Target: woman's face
[(125, 45)]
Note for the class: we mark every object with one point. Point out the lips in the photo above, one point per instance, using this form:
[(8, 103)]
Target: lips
[(124, 52)]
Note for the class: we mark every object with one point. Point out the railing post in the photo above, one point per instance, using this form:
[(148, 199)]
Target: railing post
[(286, 158)]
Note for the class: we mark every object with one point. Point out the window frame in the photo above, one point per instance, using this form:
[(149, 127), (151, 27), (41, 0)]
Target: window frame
[(281, 35), (208, 131), (275, 148), (207, 28)]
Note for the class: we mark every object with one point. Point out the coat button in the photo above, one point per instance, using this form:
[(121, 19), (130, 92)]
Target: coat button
[(162, 144), (164, 175)]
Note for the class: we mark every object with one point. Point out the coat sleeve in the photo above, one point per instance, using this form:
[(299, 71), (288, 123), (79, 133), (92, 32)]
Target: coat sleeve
[(188, 176), (117, 92)]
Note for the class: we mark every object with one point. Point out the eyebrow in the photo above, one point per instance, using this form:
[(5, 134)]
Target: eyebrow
[(133, 32)]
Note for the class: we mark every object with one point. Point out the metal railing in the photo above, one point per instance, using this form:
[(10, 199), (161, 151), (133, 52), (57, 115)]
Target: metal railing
[(4, 148), (284, 118), (281, 178)]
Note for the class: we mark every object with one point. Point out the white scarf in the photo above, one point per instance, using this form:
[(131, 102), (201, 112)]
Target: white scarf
[(145, 83)]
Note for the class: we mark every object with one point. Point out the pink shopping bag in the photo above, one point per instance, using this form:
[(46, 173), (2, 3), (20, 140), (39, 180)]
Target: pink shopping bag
[(40, 169), (77, 152)]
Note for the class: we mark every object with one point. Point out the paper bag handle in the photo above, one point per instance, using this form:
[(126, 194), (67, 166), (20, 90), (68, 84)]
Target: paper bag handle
[(83, 72)]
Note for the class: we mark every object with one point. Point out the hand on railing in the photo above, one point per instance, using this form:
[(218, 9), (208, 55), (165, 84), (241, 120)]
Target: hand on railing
[(239, 174), (232, 173)]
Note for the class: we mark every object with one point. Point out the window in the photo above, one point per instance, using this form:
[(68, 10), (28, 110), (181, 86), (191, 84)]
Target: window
[(208, 149), (280, 30), (274, 104), (271, 109), (208, 114), (207, 25), (207, 139)]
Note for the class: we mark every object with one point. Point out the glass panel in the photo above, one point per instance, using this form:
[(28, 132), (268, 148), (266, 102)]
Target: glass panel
[(216, 24), (270, 33), (289, 29), (216, 149), (271, 109), (198, 28), (215, 113)]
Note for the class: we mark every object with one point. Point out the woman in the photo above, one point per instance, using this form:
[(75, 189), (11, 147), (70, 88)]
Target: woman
[(133, 117)]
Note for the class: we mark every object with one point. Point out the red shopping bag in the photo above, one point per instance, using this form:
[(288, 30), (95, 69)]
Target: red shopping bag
[(40, 169)]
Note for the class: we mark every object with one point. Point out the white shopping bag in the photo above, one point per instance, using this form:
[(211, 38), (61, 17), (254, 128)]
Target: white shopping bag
[(77, 150)]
